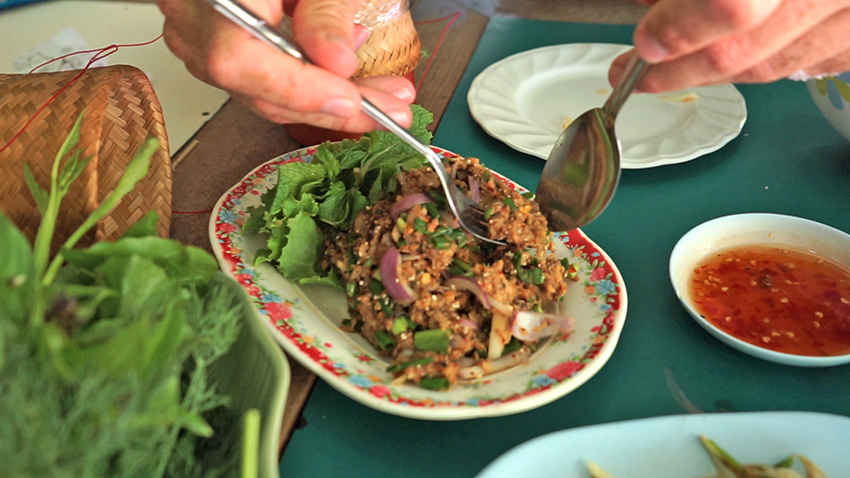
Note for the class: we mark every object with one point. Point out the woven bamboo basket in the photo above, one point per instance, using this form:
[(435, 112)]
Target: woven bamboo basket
[(121, 112), (393, 48)]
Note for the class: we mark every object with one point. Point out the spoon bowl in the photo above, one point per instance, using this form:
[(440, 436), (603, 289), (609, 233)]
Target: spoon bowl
[(583, 169)]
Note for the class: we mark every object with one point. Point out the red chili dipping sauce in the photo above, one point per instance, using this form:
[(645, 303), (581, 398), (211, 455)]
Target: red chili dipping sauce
[(780, 299)]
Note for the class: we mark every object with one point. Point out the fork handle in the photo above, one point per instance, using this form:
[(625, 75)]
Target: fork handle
[(631, 74)]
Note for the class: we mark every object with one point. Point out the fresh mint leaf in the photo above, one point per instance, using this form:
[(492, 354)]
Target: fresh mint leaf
[(419, 126), (336, 206), (359, 202), (376, 192), (299, 258), (325, 157)]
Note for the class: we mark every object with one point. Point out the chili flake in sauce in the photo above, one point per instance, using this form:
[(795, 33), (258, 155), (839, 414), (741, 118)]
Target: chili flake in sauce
[(786, 300)]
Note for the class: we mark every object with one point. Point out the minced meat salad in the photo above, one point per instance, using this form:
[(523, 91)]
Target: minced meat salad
[(443, 306), (432, 297)]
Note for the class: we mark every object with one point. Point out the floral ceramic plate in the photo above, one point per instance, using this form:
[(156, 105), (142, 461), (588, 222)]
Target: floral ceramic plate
[(527, 99), (305, 321)]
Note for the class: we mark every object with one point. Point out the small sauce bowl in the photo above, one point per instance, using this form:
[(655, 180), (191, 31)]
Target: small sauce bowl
[(742, 230)]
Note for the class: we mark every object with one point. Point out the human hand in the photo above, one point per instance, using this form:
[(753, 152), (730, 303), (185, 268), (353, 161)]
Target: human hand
[(275, 85), (701, 42)]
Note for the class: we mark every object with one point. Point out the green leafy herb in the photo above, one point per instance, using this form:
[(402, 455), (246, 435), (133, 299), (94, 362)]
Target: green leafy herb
[(104, 351), (341, 180)]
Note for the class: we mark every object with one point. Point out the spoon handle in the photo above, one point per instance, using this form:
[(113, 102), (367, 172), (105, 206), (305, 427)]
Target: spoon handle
[(633, 72)]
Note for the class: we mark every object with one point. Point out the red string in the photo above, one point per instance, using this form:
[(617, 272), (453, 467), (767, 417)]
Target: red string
[(452, 18), (99, 54)]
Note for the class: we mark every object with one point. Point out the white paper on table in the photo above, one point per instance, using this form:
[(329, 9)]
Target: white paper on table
[(187, 103)]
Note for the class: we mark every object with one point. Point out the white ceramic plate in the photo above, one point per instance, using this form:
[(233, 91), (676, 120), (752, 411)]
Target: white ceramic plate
[(525, 99), (305, 321), (669, 447), (743, 229)]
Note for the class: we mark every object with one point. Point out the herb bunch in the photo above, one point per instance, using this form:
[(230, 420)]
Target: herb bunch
[(104, 351), (341, 180)]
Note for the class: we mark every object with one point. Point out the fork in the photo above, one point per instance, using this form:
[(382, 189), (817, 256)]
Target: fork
[(469, 213)]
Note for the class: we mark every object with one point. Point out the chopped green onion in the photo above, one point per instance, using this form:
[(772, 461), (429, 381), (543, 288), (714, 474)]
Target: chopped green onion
[(461, 264), (528, 195), (401, 224), (399, 326), (386, 308), (345, 322), (486, 175), (434, 383), (511, 346), (565, 262), (786, 463), (401, 243), (441, 242), (437, 197), (432, 210), (510, 203), (410, 363), (410, 323), (384, 340), (351, 289), (375, 287), (488, 212), (420, 225), (368, 262), (537, 276), (434, 340)]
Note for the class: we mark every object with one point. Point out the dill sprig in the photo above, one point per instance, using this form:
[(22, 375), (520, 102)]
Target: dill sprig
[(105, 351)]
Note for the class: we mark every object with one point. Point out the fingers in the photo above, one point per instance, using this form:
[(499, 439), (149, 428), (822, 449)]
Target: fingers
[(768, 51), (325, 31), (672, 28), (821, 50), (391, 94)]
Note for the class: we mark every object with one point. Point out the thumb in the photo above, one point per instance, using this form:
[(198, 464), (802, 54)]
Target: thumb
[(325, 31)]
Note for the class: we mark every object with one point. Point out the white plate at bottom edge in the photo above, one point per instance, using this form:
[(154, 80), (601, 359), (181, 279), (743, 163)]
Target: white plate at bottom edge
[(305, 322), (669, 447)]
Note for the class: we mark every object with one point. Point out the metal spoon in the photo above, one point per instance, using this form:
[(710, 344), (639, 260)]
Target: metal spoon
[(583, 169)]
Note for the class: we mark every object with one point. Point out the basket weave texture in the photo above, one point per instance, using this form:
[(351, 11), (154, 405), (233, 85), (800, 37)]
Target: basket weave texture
[(121, 112), (393, 48)]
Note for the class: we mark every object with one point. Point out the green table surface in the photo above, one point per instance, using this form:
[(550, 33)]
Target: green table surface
[(787, 160)]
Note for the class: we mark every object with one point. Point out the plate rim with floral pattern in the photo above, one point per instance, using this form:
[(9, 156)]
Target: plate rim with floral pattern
[(558, 368)]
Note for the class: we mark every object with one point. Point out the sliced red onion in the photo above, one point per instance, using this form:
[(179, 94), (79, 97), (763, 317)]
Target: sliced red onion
[(464, 322), (533, 326), (473, 188), (396, 289), (408, 202), (471, 285)]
